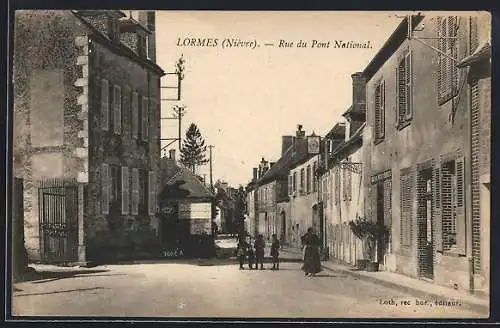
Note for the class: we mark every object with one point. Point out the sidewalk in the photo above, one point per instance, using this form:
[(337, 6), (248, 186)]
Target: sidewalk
[(412, 286)]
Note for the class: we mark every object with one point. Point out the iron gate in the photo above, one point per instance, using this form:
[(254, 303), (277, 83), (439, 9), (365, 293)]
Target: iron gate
[(58, 216)]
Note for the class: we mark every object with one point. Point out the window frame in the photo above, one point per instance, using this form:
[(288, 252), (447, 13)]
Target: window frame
[(379, 111), (404, 115)]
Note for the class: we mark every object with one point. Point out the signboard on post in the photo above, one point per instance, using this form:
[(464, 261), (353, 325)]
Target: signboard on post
[(313, 144)]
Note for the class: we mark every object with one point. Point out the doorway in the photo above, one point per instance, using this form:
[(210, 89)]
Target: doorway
[(283, 228), (425, 223)]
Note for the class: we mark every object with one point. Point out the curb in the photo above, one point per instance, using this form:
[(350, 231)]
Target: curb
[(410, 290)]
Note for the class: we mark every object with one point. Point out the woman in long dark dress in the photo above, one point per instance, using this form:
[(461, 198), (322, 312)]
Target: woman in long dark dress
[(312, 261)]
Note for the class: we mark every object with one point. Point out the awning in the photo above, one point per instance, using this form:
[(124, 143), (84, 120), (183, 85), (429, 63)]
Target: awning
[(482, 52)]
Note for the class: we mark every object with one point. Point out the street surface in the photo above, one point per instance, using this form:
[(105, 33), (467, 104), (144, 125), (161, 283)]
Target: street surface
[(201, 289)]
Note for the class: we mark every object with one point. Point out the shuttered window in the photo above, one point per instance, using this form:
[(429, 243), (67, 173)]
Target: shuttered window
[(447, 44), (474, 43), (380, 112), (314, 177), (117, 109), (405, 200), (404, 94), (453, 205), (302, 176), (105, 105), (337, 186), (152, 192), (135, 191), (105, 188), (436, 197), (294, 177), (290, 184), (125, 190), (145, 118), (349, 184), (476, 141), (308, 179), (135, 115)]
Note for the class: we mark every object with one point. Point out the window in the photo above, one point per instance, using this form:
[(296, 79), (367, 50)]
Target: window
[(452, 204), (135, 191), (125, 190), (379, 112), (315, 179), (447, 72), (141, 46), (405, 200), (115, 184), (337, 185), (294, 181), (105, 189), (135, 115), (104, 105), (347, 175), (152, 192), (117, 109), (290, 184), (143, 192), (145, 118), (302, 176), (404, 95), (308, 179)]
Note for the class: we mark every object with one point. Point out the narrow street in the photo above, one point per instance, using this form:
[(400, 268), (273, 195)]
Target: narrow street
[(210, 289)]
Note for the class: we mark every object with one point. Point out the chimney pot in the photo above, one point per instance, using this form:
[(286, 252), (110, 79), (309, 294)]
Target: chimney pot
[(358, 88), (171, 154)]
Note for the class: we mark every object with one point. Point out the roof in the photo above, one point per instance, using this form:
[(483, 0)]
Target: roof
[(338, 129), (118, 48), (482, 52), (357, 136), (173, 174), (391, 45), (359, 109), (279, 168)]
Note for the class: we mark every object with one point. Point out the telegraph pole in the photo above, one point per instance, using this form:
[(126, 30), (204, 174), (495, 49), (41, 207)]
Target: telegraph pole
[(211, 181)]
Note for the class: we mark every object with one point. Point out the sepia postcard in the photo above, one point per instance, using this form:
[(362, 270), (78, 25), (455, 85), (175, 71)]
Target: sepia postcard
[(250, 164)]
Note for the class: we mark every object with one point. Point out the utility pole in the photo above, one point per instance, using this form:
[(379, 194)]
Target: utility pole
[(211, 181)]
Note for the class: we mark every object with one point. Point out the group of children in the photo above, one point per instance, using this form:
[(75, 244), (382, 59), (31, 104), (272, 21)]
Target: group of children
[(255, 253)]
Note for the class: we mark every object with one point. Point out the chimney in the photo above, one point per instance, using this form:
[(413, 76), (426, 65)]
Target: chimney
[(358, 88), (300, 133), (260, 172), (171, 154), (347, 130), (286, 142), (255, 174), (147, 19)]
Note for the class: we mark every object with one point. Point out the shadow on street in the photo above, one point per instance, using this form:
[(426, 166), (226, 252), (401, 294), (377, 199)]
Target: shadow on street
[(62, 291), (46, 276)]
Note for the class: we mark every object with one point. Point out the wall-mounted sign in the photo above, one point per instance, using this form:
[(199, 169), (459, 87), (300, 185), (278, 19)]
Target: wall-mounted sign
[(313, 144), (195, 211)]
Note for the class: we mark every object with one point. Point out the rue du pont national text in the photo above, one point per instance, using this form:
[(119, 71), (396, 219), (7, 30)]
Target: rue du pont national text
[(252, 44)]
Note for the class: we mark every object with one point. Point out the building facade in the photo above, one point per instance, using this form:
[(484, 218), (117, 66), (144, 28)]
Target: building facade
[(417, 150), (86, 131)]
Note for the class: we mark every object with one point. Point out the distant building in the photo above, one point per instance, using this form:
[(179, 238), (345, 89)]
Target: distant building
[(86, 132)]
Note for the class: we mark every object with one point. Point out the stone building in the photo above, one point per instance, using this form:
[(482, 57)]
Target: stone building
[(86, 132), (417, 150)]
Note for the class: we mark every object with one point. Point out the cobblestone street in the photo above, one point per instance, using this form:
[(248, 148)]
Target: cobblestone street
[(217, 289)]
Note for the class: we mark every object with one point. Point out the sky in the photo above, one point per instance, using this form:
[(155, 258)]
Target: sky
[(245, 99)]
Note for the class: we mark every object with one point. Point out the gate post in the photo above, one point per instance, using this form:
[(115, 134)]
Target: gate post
[(82, 258)]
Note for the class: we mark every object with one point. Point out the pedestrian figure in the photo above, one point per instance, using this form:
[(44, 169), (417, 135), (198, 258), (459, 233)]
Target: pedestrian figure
[(275, 246), (241, 252), (312, 262), (259, 245), (251, 255)]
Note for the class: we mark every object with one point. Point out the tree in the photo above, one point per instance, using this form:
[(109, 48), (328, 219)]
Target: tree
[(193, 150)]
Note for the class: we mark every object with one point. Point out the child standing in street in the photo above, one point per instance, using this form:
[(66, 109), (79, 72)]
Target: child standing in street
[(275, 253), (251, 255), (241, 252)]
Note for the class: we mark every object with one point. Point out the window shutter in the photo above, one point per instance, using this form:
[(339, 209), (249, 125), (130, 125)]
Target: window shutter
[(402, 101), (135, 191), (337, 186), (460, 209), (117, 109), (289, 185), (452, 27), (145, 118), (105, 188), (125, 190), (349, 185), (437, 206), (474, 43), (382, 109), (409, 77), (135, 115), (104, 104), (441, 58), (377, 113), (151, 192)]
